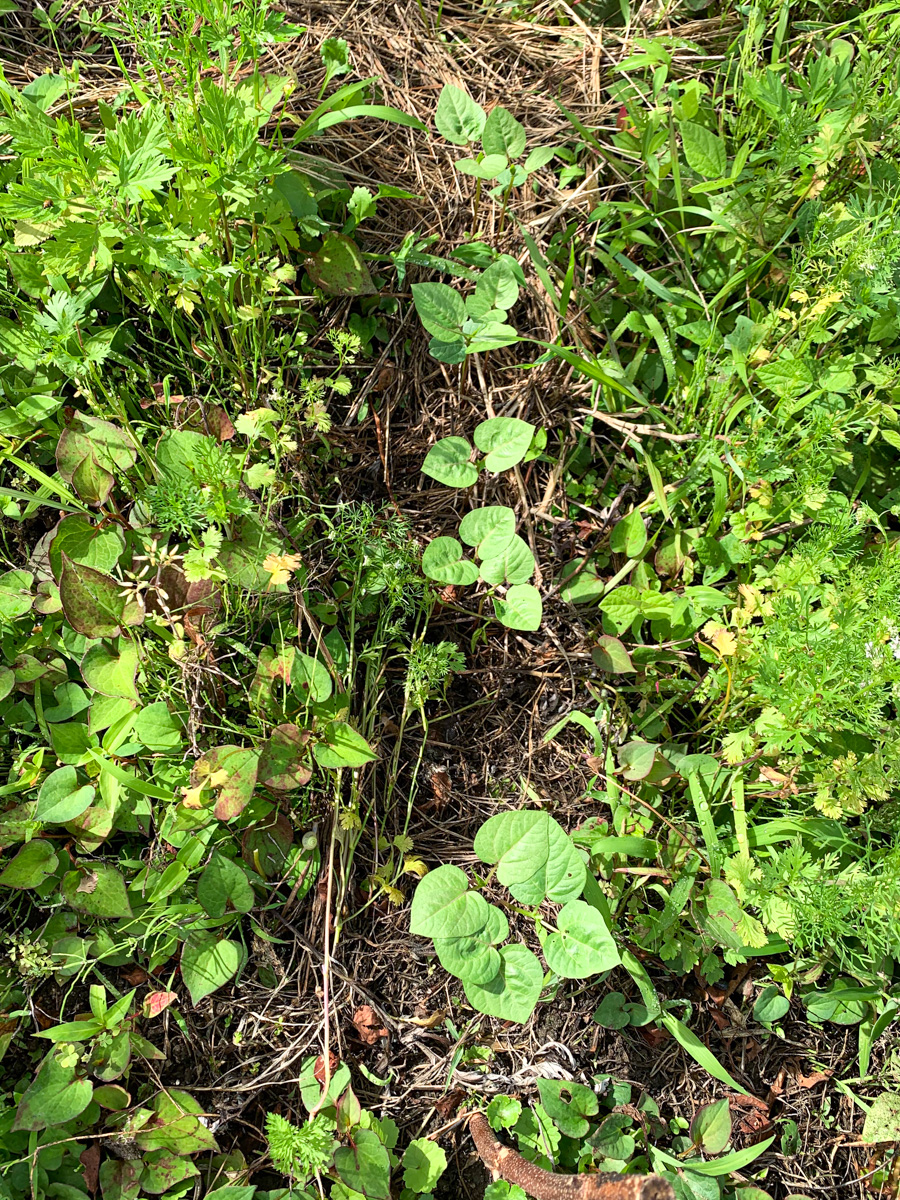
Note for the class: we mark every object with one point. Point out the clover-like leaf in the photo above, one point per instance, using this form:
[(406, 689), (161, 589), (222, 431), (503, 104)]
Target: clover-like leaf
[(582, 945), (535, 857)]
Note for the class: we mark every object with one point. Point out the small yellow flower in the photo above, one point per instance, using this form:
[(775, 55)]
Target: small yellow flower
[(281, 566)]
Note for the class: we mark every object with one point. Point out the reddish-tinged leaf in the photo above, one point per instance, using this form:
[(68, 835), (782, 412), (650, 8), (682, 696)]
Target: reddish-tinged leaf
[(282, 764), (157, 1002), (319, 1068)]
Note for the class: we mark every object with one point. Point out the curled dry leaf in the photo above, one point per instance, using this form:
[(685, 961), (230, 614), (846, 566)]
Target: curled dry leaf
[(368, 1025), (90, 1160)]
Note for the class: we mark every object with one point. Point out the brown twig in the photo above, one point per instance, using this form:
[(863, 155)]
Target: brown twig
[(505, 1163)]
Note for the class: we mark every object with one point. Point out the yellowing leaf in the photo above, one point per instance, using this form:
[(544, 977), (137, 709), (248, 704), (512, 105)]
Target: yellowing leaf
[(281, 566)]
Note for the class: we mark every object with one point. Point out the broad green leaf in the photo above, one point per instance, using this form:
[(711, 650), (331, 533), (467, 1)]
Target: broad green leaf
[(89, 455), (56, 1096), (365, 1165), (568, 1104), (85, 543), (239, 764), (156, 728), (15, 594), (621, 607), (882, 1123), (339, 268), (704, 151), (98, 889), (443, 560), (503, 1112), (490, 529), (535, 857), (771, 1004), (629, 536), (503, 134), (497, 288), (505, 441), (580, 584), (520, 608), (788, 378), (34, 863), (457, 117), (224, 883), (583, 946), (448, 462), (453, 351), (342, 746), (514, 564), (443, 906), (475, 957), (424, 1162), (512, 994), (176, 1125), (611, 1013), (487, 167), (208, 961), (441, 309), (120, 1179), (111, 671), (468, 958), (310, 678), (711, 1127), (163, 1169), (93, 603), (611, 1140), (62, 798), (610, 655)]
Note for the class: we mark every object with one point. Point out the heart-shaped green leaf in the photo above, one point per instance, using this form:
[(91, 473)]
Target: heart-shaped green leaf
[(512, 994), (365, 1165), (505, 441), (207, 962), (582, 945), (489, 529), (535, 857), (62, 798), (443, 906), (443, 560), (521, 608), (448, 462), (514, 564)]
